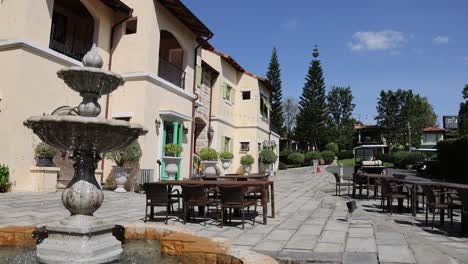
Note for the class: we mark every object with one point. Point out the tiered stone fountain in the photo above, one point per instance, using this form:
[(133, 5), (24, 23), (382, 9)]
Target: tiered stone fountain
[(82, 237)]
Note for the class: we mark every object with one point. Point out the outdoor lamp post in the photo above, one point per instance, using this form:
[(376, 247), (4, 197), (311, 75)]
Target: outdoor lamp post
[(210, 134)]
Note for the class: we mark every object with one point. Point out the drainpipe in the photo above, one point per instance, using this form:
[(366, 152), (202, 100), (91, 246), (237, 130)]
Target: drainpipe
[(109, 67), (192, 140)]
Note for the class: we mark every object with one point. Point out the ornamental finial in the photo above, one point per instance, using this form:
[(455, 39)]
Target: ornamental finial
[(92, 58)]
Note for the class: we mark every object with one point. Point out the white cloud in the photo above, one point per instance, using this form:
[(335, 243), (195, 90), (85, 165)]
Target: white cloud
[(441, 40), (377, 40), (290, 24)]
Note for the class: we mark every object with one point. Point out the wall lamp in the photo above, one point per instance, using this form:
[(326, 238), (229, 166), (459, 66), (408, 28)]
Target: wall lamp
[(157, 123)]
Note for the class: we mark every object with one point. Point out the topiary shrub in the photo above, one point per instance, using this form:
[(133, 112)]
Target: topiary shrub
[(130, 153), (283, 156), (268, 156), (226, 155), (345, 154), (296, 158), (4, 178), (309, 157), (333, 147), (327, 156), (398, 157), (208, 154), (413, 158), (44, 150), (247, 160), (172, 150)]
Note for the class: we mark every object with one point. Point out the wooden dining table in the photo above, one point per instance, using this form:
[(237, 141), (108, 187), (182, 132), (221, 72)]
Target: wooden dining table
[(214, 183)]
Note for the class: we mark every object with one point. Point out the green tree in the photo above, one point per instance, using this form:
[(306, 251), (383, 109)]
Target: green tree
[(312, 120), (341, 107), (403, 115), (463, 114), (291, 109), (274, 80)]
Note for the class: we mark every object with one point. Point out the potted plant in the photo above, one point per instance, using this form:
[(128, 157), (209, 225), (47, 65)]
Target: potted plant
[(4, 178), (44, 154), (209, 159), (226, 159), (172, 160), (247, 162), (130, 153), (268, 157)]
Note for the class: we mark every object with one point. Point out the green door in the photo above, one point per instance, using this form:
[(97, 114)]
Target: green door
[(172, 133)]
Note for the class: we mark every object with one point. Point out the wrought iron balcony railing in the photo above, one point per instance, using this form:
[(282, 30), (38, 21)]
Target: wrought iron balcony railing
[(171, 73)]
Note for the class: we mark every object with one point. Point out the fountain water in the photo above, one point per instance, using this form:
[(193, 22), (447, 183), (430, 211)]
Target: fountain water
[(82, 237)]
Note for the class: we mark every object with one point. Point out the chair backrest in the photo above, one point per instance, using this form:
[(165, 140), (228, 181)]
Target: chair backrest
[(156, 192), (429, 193), (337, 177), (146, 175), (386, 187), (232, 194), (194, 193)]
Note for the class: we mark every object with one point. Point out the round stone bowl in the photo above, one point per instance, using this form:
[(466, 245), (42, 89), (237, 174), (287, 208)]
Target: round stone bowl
[(84, 134), (90, 79)]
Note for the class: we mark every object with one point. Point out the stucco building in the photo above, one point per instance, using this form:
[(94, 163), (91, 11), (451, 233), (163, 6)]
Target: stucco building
[(156, 45)]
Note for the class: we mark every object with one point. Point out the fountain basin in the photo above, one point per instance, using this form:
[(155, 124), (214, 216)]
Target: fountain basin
[(90, 80), (84, 134)]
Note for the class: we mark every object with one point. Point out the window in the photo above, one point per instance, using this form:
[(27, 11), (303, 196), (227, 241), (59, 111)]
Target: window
[(59, 26), (246, 95), (123, 118), (245, 146), (226, 144), (264, 106), (131, 26), (227, 93)]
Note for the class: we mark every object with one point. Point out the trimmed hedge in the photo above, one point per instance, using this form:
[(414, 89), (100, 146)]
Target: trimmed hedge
[(283, 156), (333, 147), (384, 157), (345, 154), (413, 158), (328, 156), (398, 157), (452, 154), (312, 155), (296, 158)]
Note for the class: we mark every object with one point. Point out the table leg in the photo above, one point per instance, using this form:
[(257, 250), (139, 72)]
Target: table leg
[(272, 199), (264, 206), (368, 181), (442, 211)]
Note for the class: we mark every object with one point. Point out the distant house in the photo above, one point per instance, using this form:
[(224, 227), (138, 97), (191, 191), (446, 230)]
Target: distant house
[(430, 137), (368, 134)]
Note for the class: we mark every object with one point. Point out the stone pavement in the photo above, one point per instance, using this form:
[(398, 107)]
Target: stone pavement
[(310, 225)]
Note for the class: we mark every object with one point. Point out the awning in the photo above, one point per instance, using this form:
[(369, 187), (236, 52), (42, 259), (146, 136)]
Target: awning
[(171, 116)]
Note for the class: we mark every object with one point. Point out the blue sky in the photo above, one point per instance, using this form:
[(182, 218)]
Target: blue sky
[(365, 44)]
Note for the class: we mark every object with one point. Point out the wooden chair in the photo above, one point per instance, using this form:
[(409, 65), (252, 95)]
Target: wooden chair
[(162, 196), (392, 191), (435, 202), (339, 183), (233, 197), (197, 195)]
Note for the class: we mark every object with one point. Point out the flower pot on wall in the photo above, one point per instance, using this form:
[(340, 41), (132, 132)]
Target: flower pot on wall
[(226, 164), (121, 176), (247, 169), (171, 166), (209, 168), (45, 162)]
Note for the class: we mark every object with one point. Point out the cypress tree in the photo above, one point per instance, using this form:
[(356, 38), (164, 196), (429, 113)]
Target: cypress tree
[(312, 120), (463, 114), (274, 80)]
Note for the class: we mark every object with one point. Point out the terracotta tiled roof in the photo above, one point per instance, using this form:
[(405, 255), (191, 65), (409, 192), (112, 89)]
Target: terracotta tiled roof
[(179, 10), (433, 130), (118, 6), (239, 68)]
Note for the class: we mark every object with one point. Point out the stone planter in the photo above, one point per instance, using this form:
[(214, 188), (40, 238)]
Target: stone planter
[(209, 168), (226, 164), (171, 166), (44, 162), (247, 169), (121, 176)]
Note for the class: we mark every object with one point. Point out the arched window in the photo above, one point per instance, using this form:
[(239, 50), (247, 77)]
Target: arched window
[(171, 59), (72, 29)]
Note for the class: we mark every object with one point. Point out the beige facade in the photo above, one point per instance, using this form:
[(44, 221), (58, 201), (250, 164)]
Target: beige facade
[(152, 46), (240, 124)]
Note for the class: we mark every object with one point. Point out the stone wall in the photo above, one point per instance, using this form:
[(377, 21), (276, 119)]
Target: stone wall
[(202, 113)]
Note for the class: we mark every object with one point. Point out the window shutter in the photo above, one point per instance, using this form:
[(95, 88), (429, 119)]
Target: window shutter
[(199, 74), (224, 90), (221, 144), (231, 145), (233, 96)]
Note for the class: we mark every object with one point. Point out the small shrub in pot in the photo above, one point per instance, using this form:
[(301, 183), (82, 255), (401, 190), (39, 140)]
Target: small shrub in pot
[(209, 158), (226, 159), (247, 161), (172, 160), (131, 153), (267, 157), (44, 153)]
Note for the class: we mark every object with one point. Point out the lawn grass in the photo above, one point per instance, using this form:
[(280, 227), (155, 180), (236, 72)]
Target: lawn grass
[(350, 162)]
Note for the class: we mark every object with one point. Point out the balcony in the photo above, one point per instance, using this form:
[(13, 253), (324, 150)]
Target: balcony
[(171, 73), (75, 50)]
